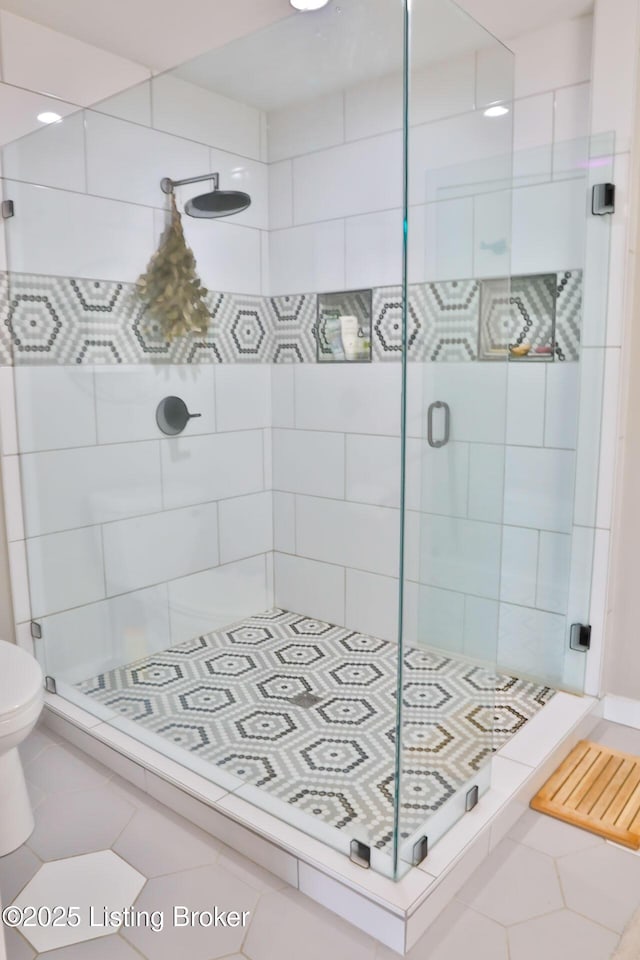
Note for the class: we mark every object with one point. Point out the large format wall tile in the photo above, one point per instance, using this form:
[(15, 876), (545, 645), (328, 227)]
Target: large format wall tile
[(199, 469)]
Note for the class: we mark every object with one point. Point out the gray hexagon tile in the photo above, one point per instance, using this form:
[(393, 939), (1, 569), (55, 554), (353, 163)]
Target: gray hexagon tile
[(199, 890), (514, 884), (17, 946), (69, 824), (62, 768), (449, 938), (159, 843), (561, 936), (16, 869), (309, 931), (602, 883), (106, 948), (552, 836)]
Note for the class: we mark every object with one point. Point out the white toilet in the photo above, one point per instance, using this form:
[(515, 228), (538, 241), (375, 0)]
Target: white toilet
[(21, 699)]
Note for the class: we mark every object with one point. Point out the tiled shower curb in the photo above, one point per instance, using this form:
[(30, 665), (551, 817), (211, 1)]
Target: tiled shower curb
[(396, 914)]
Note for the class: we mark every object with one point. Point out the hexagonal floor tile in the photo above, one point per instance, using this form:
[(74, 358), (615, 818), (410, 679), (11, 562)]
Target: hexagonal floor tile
[(449, 938), (68, 824), (559, 936), (157, 843), (16, 869), (201, 889), (17, 946), (106, 948), (61, 768), (602, 883), (97, 880), (552, 836), (288, 926), (514, 883)]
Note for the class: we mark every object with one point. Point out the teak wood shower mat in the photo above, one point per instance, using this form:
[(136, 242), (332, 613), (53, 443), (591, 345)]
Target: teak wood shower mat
[(598, 789)]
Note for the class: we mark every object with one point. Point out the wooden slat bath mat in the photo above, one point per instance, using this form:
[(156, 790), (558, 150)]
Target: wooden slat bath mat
[(598, 789)]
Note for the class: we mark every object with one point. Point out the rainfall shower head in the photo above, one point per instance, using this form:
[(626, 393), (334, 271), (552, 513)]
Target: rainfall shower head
[(216, 203)]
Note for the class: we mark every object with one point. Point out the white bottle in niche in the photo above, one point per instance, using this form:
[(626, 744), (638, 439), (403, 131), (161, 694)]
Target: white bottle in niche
[(350, 328)]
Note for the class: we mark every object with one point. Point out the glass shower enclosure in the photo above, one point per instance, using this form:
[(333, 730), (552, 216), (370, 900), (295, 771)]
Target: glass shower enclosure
[(297, 595)]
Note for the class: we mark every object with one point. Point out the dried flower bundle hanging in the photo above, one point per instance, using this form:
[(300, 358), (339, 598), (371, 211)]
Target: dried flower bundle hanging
[(171, 287)]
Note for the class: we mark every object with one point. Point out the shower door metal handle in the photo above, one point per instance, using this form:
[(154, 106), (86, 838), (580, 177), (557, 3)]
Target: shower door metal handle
[(438, 405)]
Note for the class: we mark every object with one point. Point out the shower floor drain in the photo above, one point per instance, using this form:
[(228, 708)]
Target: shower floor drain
[(306, 700)]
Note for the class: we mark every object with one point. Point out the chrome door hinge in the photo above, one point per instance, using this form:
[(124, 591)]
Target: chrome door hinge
[(50, 685), (8, 209), (36, 630), (603, 199)]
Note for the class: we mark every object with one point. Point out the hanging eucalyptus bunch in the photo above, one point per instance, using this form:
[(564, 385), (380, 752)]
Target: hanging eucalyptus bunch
[(171, 288)]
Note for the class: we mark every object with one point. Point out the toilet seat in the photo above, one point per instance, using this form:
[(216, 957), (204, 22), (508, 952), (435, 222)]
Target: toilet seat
[(20, 682)]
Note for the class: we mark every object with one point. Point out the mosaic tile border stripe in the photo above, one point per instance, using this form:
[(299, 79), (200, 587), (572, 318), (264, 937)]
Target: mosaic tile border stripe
[(62, 320)]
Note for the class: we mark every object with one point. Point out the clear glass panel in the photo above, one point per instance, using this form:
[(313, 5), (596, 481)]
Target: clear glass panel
[(228, 596), (459, 247)]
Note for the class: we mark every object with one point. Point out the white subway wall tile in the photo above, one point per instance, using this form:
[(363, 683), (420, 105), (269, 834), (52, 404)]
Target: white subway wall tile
[(437, 480), (351, 534), (356, 178), (567, 56), (282, 395), (55, 407), (571, 129), (37, 58), (440, 619), (309, 462), (476, 394), (519, 566), (442, 89), (19, 110), (127, 398), (284, 522), (246, 526), (149, 550), (481, 629), (448, 247), (526, 404), (307, 259), (89, 485), (199, 469), (533, 138), (372, 604), (19, 572), (228, 256), (373, 254), (486, 482), (562, 405), (362, 398), (133, 104), (546, 504), (239, 173), (531, 642), (243, 396), (8, 418), (614, 59), (492, 233), (280, 195), (554, 568), (307, 127), (73, 235), (591, 377), (308, 587), (187, 110), (126, 161), (455, 554), (494, 75), (52, 156), (216, 598), (609, 437), (89, 640), (12, 495), (65, 570), (373, 470), (549, 227)]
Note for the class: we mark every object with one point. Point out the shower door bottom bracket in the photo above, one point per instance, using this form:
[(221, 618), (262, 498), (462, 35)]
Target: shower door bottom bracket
[(396, 913)]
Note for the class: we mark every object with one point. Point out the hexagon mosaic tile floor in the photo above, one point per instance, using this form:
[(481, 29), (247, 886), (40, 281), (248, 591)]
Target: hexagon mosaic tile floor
[(547, 890), (305, 710)]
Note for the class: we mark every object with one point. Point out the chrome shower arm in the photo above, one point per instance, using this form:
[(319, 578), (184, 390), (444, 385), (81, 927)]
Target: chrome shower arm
[(167, 185)]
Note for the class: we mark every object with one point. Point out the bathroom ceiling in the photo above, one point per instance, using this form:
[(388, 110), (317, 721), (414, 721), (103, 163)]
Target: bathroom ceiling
[(163, 33)]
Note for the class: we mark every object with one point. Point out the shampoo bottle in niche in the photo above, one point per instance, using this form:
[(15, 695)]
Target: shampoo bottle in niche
[(332, 335), (351, 343)]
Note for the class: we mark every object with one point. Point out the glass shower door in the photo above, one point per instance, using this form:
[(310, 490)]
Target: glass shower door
[(459, 153)]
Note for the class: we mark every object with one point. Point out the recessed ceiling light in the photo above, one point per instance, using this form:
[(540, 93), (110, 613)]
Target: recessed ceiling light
[(497, 110), (49, 117), (306, 5)]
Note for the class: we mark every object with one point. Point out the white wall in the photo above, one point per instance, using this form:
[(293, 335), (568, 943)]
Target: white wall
[(133, 541)]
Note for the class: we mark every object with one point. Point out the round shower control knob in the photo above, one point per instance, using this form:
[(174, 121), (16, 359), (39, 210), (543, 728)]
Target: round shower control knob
[(172, 415)]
